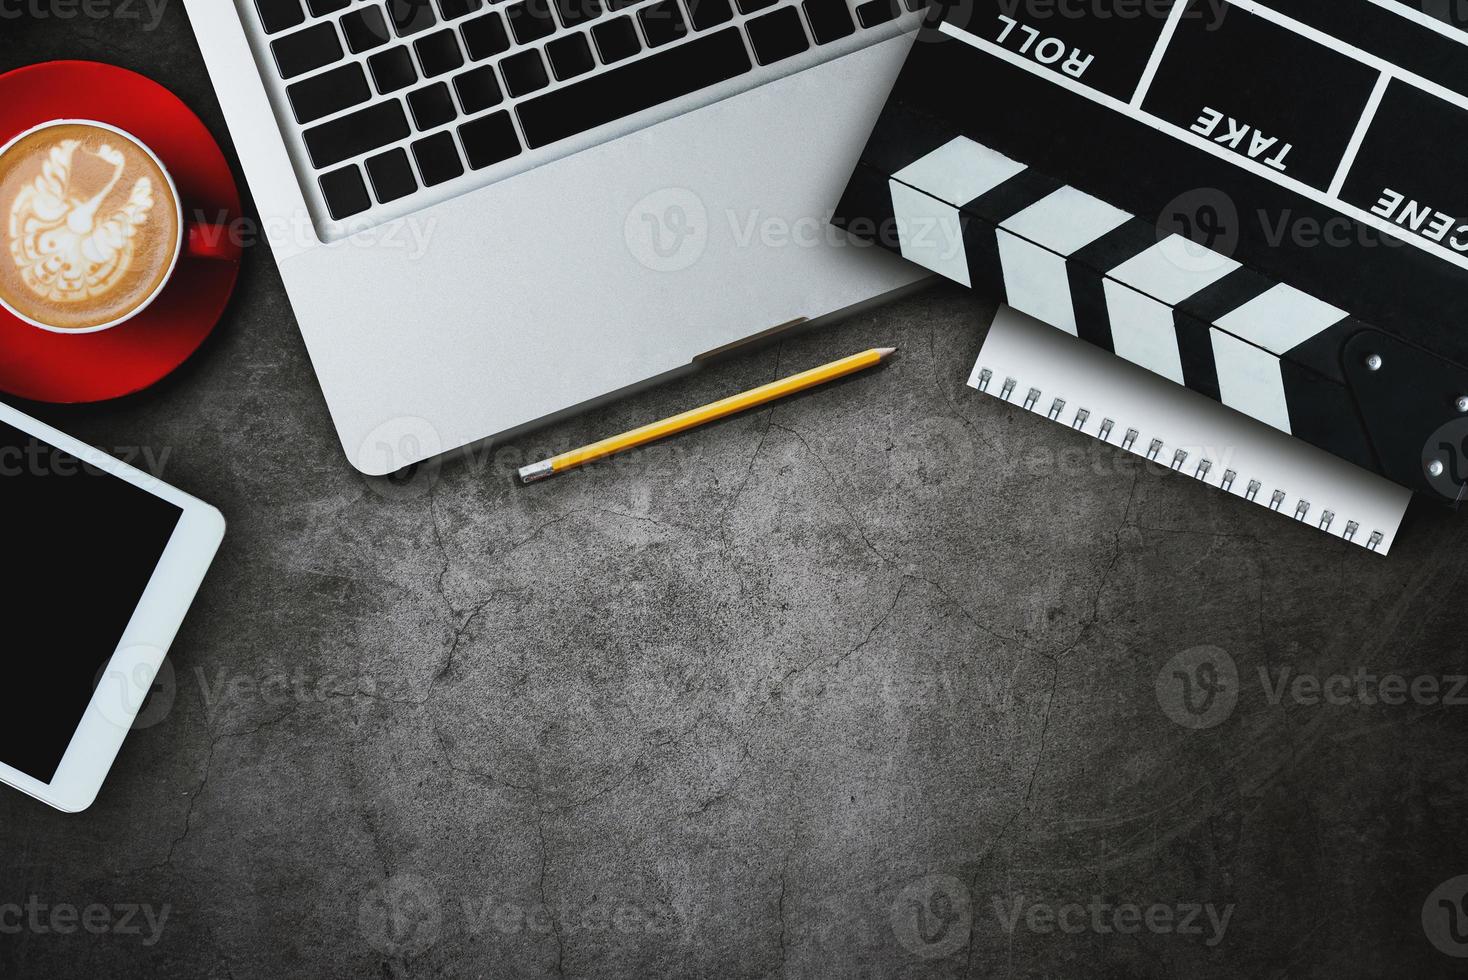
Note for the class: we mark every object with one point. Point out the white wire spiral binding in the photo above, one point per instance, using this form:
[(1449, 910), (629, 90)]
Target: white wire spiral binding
[(1179, 457)]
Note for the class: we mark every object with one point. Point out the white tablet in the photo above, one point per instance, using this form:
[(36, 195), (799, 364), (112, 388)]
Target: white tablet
[(101, 562)]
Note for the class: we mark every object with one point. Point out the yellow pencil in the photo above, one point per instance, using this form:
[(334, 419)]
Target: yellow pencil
[(654, 431)]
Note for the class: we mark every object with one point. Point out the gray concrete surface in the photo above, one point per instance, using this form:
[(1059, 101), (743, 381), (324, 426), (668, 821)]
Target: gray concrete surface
[(880, 682)]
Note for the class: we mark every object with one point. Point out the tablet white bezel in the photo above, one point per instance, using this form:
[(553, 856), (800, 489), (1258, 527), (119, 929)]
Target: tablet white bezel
[(130, 671)]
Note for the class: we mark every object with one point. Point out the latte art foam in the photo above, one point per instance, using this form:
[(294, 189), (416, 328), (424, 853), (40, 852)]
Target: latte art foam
[(90, 226)]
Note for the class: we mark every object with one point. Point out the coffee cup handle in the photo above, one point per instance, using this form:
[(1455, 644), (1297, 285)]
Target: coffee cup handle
[(208, 240)]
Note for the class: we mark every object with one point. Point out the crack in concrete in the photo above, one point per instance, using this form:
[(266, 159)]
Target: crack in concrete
[(188, 821), (769, 414), (836, 489), (881, 621), (448, 662), (1090, 620), (638, 765), (780, 909), (1044, 731), (545, 901)]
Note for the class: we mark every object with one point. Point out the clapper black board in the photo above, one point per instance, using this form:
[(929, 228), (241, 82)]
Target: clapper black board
[(1263, 200)]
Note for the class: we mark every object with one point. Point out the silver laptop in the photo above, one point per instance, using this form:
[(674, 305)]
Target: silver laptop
[(488, 213)]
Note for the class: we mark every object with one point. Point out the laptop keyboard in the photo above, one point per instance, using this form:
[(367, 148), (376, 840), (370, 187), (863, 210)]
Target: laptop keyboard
[(392, 97)]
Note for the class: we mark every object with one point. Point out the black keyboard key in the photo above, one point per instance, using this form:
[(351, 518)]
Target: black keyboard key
[(662, 23), (750, 6), (365, 29), (478, 90), (875, 12), (410, 16), (431, 106), (709, 13), (916, 5), (829, 20), (437, 158), (454, 9), (438, 53), (676, 71), (279, 15), (530, 20), (485, 36), (776, 36), (616, 39), (618, 4), (391, 175), (345, 192), (303, 51), (489, 140), (330, 92), (356, 133), (320, 8), (570, 56), (574, 13), (392, 70), (524, 72)]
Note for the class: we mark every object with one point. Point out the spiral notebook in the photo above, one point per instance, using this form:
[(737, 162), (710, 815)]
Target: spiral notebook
[(1061, 377)]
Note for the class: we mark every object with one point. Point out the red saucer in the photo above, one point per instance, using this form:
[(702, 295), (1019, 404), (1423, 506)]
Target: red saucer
[(53, 367)]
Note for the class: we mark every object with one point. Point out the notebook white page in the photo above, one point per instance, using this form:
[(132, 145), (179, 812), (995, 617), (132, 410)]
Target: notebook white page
[(1076, 384)]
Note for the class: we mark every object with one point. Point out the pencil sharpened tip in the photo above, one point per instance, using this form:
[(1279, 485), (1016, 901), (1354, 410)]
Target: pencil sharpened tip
[(535, 471), (886, 351)]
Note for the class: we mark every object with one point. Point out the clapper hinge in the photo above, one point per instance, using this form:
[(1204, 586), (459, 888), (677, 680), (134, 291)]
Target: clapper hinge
[(1414, 405)]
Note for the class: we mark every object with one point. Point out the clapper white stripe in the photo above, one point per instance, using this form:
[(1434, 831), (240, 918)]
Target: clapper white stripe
[(929, 232), (959, 171), (1141, 292), (1066, 221), (1249, 380), (1280, 319), (1142, 331), (1034, 244), (1035, 282), (1173, 269)]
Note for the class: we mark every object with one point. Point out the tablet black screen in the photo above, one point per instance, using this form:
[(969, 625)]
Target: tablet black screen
[(80, 545)]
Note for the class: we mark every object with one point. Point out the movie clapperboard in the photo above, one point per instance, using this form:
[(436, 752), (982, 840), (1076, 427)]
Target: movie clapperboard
[(1264, 201)]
